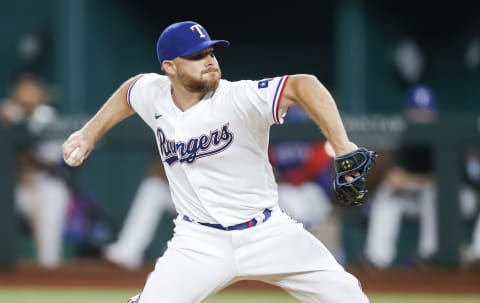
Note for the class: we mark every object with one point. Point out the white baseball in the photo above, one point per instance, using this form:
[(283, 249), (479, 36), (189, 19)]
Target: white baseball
[(75, 159)]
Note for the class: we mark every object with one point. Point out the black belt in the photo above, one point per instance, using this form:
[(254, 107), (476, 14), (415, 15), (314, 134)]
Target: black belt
[(266, 213)]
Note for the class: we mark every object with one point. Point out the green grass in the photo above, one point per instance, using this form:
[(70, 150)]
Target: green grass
[(424, 298), (63, 295)]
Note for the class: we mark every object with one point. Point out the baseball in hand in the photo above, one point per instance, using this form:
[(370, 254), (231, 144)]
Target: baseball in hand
[(75, 159)]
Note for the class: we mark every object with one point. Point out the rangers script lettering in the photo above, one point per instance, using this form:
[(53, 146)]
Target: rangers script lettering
[(172, 151)]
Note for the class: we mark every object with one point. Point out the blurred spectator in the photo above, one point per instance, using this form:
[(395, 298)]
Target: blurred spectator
[(475, 247), (303, 173), (151, 201), (471, 206), (407, 189), (41, 195)]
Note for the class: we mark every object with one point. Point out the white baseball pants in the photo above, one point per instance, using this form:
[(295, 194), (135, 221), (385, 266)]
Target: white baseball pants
[(44, 202), (202, 260), (385, 224)]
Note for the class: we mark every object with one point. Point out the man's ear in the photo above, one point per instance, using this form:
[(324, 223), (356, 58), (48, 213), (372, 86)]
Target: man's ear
[(168, 67)]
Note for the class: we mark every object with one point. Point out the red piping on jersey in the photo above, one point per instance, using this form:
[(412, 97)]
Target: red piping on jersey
[(280, 99)]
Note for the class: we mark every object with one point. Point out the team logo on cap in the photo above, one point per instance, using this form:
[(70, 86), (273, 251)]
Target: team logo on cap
[(199, 29)]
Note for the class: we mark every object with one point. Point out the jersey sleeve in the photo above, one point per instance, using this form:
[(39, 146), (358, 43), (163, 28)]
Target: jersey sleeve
[(134, 92), (262, 97), (140, 94)]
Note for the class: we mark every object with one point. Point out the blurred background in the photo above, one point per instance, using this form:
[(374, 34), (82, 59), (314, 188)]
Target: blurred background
[(405, 75)]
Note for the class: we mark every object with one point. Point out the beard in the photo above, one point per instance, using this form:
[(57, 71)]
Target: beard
[(207, 81)]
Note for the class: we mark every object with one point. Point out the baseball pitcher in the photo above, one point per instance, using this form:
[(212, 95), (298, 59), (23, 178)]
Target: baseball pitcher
[(212, 136)]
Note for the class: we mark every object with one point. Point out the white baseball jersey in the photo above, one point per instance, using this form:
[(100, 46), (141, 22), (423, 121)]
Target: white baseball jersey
[(215, 153)]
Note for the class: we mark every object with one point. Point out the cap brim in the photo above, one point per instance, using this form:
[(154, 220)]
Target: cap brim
[(204, 45)]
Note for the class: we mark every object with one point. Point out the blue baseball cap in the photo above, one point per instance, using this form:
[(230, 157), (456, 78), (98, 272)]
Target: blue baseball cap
[(184, 39), (421, 97)]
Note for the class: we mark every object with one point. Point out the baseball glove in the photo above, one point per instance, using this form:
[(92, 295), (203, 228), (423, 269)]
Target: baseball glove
[(352, 193)]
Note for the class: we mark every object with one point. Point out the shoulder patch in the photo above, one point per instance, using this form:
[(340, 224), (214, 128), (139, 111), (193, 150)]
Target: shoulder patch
[(263, 83)]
